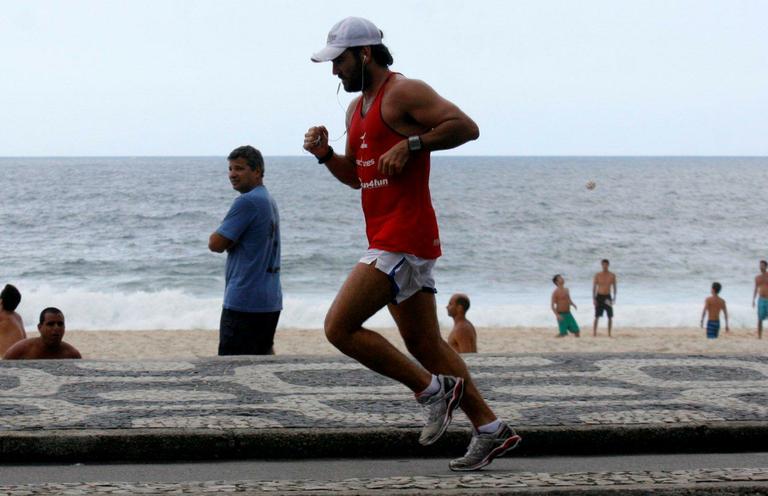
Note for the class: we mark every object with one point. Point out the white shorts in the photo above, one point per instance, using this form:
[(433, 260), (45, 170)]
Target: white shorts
[(409, 274)]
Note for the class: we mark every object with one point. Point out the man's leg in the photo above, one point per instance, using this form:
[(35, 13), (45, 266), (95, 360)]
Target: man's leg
[(416, 319), (365, 292), (610, 325), (594, 327)]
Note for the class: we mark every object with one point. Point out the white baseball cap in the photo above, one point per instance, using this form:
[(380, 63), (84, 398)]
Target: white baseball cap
[(349, 32)]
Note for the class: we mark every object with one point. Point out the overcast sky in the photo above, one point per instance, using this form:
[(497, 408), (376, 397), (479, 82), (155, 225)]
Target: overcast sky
[(189, 77)]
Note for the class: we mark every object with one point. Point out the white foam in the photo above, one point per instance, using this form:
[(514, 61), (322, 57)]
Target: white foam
[(176, 309)]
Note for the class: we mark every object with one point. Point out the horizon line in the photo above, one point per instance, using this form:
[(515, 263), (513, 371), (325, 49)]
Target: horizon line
[(441, 155)]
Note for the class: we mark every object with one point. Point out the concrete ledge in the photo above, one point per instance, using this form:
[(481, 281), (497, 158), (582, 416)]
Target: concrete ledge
[(199, 444)]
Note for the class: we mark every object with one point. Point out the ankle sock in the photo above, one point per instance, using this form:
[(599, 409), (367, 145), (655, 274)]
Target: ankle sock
[(433, 388), (489, 428)]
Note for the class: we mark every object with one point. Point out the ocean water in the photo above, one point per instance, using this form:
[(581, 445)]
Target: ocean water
[(121, 243)]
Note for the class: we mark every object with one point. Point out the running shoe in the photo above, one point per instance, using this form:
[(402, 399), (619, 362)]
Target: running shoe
[(485, 447), (438, 408)]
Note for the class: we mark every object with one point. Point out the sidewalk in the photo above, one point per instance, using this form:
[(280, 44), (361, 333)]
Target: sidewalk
[(289, 406)]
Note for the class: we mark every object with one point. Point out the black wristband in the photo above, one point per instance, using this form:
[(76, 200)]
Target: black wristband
[(326, 157)]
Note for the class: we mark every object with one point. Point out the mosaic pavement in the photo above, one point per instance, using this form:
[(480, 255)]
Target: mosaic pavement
[(306, 392), (477, 483)]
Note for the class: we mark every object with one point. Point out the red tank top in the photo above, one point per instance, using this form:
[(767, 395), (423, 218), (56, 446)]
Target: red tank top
[(398, 209)]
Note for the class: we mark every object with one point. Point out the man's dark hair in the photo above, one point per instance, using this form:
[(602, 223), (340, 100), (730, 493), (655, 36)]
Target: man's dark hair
[(379, 53), (49, 310), (251, 155), (463, 301), (717, 287), (554, 279), (763, 262), (11, 298), (605, 261)]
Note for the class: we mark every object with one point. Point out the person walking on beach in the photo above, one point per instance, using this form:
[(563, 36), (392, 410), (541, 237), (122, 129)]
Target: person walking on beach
[(250, 234), (463, 337), (392, 128), (50, 344), (713, 305), (561, 306), (604, 295), (11, 325), (761, 293)]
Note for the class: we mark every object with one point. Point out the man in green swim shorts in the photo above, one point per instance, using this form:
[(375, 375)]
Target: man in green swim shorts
[(561, 306)]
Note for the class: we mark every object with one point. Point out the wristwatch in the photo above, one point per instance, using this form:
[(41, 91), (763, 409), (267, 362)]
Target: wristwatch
[(415, 144)]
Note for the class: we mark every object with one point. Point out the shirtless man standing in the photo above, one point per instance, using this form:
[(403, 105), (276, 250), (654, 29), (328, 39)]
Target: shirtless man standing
[(604, 295), (761, 290), (11, 325), (49, 345), (561, 306), (713, 306), (463, 337), (391, 130)]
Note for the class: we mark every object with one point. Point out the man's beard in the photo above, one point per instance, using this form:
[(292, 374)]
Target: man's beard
[(359, 78)]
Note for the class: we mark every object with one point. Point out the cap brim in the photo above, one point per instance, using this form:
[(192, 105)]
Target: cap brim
[(327, 54)]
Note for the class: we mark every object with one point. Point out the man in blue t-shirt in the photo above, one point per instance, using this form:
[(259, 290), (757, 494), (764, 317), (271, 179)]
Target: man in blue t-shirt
[(250, 234)]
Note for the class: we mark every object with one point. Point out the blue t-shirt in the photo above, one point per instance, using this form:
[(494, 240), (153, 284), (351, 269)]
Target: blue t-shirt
[(253, 260)]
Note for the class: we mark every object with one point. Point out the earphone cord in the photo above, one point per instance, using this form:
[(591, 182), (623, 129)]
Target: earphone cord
[(338, 101)]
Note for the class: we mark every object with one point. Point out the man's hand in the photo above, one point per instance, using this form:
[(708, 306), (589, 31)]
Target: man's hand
[(701, 324), (594, 302), (753, 303), (393, 160), (559, 317), (316, 141), (727, 329)]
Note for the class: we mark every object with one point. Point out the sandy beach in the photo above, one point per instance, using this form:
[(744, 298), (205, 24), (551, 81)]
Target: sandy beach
[(191, 344)]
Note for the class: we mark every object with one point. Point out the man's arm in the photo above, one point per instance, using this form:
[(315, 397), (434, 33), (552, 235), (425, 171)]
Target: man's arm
[(725, 313), (218, 243), (594, 290), (17, 351), (464, 344), (342, 167), (754, 294), (440, 124), (70, 351), (703, 314), (615, 290), (553, 305), (570, 301)]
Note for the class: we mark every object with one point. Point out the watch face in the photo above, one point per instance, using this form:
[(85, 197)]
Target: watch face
[(414, 143)]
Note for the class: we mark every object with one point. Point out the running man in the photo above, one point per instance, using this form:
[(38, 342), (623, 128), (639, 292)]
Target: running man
[(761, 291), (463, 337), (604, 295), (713, 306), (392, 128), (561, 306)]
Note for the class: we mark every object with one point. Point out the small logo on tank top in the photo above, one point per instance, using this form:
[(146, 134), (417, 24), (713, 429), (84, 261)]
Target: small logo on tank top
[(362, 138)]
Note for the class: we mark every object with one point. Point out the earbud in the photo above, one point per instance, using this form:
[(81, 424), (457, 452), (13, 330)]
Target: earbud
[(365, 57)]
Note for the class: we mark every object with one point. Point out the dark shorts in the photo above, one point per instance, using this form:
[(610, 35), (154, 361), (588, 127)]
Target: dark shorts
[(713, 329), (246, 333), (604, 303)]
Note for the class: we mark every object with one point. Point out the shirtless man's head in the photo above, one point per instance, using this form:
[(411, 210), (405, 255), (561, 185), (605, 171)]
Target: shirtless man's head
[(605, 263), (558, 280), (11, 325), (716, 287), (9, 298), (458, 305), (51, 327), (49, 345), (763, 266)]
